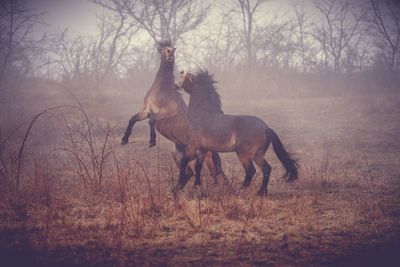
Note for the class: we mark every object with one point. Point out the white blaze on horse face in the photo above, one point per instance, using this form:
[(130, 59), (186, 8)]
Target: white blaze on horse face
[(182, 78)]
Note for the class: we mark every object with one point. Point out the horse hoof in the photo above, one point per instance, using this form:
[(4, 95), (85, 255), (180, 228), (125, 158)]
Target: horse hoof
[(226, 182), (262, 193), (176, 189), (246, 183), (124, 141), (197, 184), (151, 144)]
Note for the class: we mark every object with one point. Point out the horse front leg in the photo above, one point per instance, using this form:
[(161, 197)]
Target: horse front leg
[(182, 172), (187, 156), (200, 155), (153, 135), (135, 118), (177, 154), (182, 180)]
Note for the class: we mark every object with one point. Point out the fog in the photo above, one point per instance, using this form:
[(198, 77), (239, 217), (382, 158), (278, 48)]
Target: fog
[(105, 50), (323, 74)]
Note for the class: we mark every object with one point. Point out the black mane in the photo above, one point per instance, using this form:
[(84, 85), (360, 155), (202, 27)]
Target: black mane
[(208, 85), (164, 43)]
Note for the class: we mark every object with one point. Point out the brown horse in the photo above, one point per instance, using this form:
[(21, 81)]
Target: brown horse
[(164, 104), (246, 135)]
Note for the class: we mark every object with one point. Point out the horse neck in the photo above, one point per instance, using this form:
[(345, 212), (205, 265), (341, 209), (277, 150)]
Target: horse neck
[(166, 70), (199, 102), (165, 87)]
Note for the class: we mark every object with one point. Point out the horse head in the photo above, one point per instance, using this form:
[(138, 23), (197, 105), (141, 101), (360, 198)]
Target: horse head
[(187, 80), (167, 51)]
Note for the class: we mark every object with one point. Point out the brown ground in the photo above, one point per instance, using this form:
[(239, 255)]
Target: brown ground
[(343, 211)]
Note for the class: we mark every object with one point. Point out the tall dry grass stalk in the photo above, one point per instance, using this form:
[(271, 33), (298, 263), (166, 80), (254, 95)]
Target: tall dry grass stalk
[(11, 167)]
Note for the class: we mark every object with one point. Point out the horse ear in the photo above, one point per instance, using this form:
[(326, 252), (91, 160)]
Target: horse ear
[(159, 47), (173, 49)]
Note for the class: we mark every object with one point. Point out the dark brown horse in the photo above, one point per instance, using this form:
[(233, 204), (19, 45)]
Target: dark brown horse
[(246, 135), (163, 103)]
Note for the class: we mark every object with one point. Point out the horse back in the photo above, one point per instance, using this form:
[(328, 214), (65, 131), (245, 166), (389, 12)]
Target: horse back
[(225, 133)]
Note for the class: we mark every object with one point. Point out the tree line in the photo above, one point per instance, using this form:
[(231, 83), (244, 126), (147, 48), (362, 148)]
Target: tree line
[(322, 36)]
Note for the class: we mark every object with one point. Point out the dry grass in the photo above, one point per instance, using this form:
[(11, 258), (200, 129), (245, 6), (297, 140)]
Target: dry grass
[(344, 210)]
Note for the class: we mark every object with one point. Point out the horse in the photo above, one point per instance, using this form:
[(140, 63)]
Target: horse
[(167, 111), (247, 135)]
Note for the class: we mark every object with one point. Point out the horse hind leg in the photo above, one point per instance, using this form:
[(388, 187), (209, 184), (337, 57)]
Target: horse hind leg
[(213, 162), (266, 169), (248, 166)]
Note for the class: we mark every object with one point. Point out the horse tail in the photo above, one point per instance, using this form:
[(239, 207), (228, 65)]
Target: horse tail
[(290, 164)]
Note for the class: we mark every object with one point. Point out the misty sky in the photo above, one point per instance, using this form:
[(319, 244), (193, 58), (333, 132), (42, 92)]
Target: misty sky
[(79, 15)]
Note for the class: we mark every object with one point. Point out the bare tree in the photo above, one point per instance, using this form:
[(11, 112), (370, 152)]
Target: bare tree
[(248, 9), (217, 48), (356, 57), (68, 57), (113, 43), (97, 58), (340, 28), (162, 20), (274, 43), (221, 51), (16, 25), (383, 25), (302, 33)]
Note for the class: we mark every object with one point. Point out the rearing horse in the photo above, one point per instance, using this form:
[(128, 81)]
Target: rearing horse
[(167, 111)]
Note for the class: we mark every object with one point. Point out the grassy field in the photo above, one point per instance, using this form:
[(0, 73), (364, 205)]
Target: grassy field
[(92, 202)]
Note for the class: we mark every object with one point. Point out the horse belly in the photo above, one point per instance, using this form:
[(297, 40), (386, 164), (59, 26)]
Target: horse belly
[(173, 129), (224, 143)]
